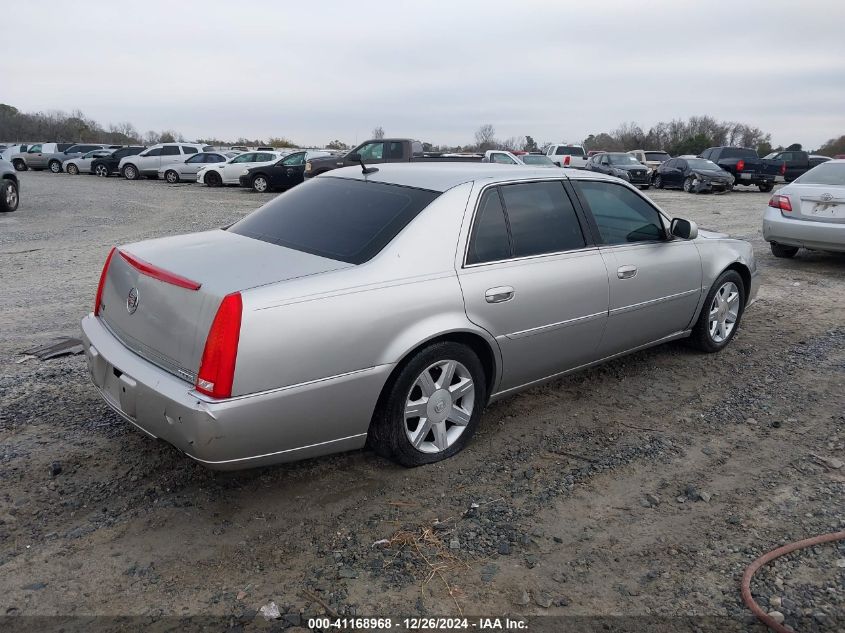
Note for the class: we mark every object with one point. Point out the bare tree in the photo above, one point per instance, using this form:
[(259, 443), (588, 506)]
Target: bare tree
[(378, 132), (485, 137)]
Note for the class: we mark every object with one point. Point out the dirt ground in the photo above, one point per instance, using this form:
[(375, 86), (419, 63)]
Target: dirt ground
[(639, 489)]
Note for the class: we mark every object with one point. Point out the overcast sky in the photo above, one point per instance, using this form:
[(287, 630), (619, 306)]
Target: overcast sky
[(316, 71)]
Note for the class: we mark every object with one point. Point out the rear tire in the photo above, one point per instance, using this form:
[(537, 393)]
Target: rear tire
[(73, 170), (213, 179), (102, 171), (130, 172), (766, 188), (171, 176), (55, 166), (19, 165), (781, 250), (459, 395), (722, 309), (9, 196)]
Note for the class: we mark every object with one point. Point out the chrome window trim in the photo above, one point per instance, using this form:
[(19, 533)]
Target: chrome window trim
[(481, 193)]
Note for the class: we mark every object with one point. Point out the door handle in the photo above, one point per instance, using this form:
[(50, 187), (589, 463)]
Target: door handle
[(626, 272), (499, 294)]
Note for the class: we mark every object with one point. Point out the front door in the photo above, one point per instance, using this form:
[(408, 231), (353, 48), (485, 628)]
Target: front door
[(290, 171), (532, 279), (655, 281)]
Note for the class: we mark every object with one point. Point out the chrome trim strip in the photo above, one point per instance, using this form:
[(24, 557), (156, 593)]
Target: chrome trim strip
[(289, 450), (586, 249), (555, 326), (650, 302), (208, 400), (501, 394)]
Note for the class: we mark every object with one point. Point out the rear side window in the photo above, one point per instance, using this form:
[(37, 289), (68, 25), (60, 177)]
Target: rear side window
[(337, 218), (214, 158), (208, 148), (489, 241), (541, 219), (170, 150), (622, 216), (187, 149)]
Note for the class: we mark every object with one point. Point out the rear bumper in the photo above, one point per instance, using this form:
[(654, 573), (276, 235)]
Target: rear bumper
[(287, 424), (822, 236)]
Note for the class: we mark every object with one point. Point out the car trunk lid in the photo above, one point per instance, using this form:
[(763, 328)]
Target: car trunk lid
[(160, 296), (817, 203)]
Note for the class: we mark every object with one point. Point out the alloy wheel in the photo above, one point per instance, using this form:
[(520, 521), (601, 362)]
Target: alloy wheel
[(72, 169), (55, 167), (101, 171), (439, 406), (171, 176), (724, 312)]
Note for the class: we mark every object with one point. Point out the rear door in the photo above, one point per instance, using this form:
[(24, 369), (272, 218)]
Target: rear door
[(170, 154), (655, 282), (532, 279)]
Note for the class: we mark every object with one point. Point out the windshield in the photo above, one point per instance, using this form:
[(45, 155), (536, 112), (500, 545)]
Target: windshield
[(657, 156), (824, 174), (342, 219), (569, 150), (622, 159), (702, 163), (536, 159)]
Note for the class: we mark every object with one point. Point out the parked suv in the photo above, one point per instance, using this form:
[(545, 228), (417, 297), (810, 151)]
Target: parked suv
[(105, 166), (9, 187), (36, 156), (148, 162)]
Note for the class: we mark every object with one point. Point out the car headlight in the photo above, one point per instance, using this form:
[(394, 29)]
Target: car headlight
[(244, 172), (622, 173)]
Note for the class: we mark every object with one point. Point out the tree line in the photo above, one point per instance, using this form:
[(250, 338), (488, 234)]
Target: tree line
[(677, 137)]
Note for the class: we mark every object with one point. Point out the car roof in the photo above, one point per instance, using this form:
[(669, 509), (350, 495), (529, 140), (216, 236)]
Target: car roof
[(442, 176)]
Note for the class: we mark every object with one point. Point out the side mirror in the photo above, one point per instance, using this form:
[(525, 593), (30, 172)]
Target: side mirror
[(683, 229)]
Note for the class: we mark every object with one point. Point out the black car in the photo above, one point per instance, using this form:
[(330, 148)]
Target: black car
[(693, 175), (285, 173), (105, 166), (622, 166)]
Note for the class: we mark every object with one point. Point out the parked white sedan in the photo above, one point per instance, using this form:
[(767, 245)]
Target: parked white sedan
[(82, 164), (188, 169), (229, 173)]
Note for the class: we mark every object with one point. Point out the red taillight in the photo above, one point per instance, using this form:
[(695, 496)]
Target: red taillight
[(99, 297), (159, 273), (740, 165), (217, 369), (566, 160), (782, 169), (781, 202)]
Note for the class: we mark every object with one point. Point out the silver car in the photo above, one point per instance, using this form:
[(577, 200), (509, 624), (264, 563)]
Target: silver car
[(187, 169), (809, 212), (388, 305)]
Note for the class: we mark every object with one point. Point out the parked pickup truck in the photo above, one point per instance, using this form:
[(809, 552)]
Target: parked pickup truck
[(384, 150), (565, 155), (797, 162), (746, 167)]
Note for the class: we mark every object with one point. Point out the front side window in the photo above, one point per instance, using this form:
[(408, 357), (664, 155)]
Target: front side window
[(214, 158), (244, 158), (372, 151), (34, 149), (294, 160), (337, 218), (154, 152), (489, 241), (170, 150), (622, 216)]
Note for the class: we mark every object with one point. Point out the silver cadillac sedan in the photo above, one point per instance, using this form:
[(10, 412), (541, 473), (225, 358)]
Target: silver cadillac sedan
[(389, 307)]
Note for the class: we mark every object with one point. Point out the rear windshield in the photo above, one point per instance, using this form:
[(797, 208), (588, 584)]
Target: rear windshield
[(655, 156), (536, 159), (346, 220), (737, 152), (569, 150), (824, 174)]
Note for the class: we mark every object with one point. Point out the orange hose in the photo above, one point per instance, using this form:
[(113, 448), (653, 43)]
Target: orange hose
[(765, 558)]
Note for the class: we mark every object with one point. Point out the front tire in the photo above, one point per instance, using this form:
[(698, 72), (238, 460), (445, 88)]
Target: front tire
[(55, 167), (688, 186), (171, 176), (260, 184), (431, 408), (783, 251), (766, 187), (130, 172), (721, 313), (102, 171), (213, 179), (9, 196), (73, 170)]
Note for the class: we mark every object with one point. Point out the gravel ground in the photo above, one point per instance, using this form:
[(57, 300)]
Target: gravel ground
[(640, 488)]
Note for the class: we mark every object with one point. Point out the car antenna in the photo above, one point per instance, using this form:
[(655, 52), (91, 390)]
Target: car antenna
[(366, 170)]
